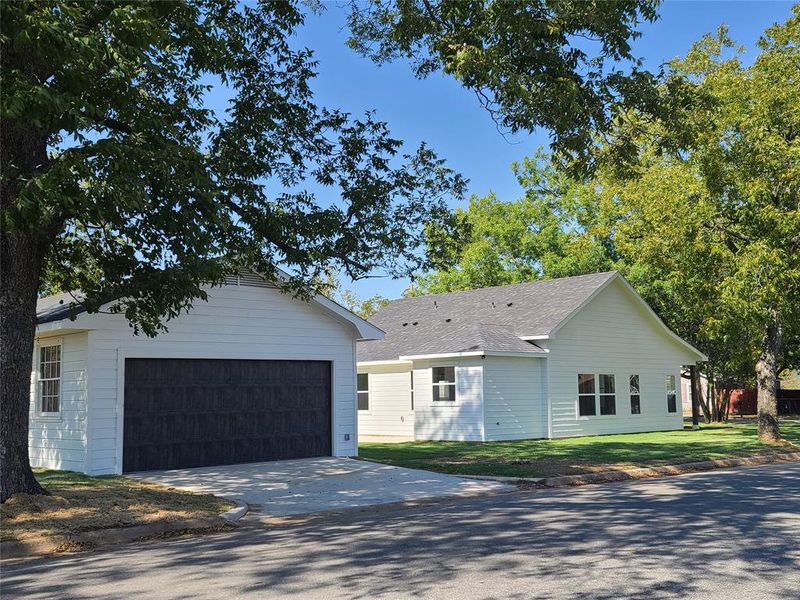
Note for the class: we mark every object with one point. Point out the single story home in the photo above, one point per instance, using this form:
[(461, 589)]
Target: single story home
[(564, 357), (252, 374)]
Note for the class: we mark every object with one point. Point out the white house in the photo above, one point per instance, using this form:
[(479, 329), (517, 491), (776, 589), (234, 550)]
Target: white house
[(252, 374), (564, 357)]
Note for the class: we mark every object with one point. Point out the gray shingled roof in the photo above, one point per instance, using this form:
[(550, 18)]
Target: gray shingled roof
[(488, 319), (58, 306)]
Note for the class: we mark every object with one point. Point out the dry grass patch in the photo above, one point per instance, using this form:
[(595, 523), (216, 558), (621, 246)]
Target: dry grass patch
[(78, 503)]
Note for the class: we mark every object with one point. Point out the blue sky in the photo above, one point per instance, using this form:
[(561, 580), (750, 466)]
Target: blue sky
[(440, 112)]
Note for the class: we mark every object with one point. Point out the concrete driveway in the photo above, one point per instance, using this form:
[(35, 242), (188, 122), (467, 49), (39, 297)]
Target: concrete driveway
[(294, 487)]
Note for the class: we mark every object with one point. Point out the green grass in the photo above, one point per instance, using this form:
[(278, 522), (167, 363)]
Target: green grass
[(542, 458)]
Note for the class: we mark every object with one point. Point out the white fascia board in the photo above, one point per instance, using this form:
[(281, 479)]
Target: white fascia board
[(383, 363), (534, 338), (366, 330), (481, 353), (63, 327)]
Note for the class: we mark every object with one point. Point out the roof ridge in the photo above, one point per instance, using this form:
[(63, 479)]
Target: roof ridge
[(505, 285)]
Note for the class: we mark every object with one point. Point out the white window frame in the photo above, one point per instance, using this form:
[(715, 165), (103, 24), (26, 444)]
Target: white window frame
[(411, 387), (673, 391), (454, 384), (593, 395), (631, 394), (363, 411), (38, 379), (600, 394), (597, 393)]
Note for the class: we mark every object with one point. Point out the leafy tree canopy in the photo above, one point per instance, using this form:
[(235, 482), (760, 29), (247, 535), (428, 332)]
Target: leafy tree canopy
[(551, 231), (133, 187), (565, 65)]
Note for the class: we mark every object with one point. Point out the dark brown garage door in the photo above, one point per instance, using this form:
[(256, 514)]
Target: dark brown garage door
[(190, 413)]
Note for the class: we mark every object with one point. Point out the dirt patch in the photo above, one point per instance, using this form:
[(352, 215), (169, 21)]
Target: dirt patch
[(79, 504)]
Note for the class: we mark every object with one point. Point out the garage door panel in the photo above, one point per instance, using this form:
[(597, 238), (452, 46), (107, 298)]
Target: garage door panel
[(182, 413)]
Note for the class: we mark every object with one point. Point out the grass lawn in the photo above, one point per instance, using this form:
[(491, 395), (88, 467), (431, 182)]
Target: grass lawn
[(79, 503), (544, 458)]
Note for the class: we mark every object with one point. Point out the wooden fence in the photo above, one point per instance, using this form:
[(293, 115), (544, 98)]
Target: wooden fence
[(745, 402)]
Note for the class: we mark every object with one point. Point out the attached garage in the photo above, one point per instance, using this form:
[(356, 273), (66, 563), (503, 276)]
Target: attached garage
[(182, 413), (250, 375)]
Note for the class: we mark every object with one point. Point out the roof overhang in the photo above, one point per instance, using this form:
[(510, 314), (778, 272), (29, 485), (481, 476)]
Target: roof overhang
[(384, 363), (366, 330), (475, 353)]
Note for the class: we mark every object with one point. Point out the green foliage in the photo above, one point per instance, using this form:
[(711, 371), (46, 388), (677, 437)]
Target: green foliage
[(114, 162), (710, 232), (527, 61), (552, 231)]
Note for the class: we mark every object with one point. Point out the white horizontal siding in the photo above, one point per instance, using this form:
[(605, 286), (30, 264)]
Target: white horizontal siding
[(613, 334), (60, 442), (236, 322), (461, 420), (512, 390), (389, 411)]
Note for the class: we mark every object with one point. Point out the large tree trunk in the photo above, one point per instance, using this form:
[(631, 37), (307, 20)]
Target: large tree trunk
[(23, 246), (767, 380), (20, 270)]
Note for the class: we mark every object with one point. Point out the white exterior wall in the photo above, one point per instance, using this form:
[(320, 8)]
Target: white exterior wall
[(59, 441), (614, 334), (514, 398), (389, 411), (461, 420), (237, 322)]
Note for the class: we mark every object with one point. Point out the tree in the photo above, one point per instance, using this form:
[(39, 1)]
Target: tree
[(738, 147), (526, 61), (120, 180), (550, 232)]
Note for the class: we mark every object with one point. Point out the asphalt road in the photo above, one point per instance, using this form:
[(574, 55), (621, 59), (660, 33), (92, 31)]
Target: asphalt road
[(725, 534)]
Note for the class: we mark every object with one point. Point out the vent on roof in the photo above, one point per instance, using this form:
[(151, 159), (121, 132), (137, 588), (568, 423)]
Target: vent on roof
[(447, 320), (509, 304), (415, 322), (405, 324)]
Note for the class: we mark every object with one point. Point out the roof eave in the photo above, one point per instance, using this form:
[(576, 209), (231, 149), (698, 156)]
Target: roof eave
[(474, 353)]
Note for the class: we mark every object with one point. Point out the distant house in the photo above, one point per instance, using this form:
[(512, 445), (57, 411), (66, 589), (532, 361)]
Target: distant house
[(564, 357), (251, 375)]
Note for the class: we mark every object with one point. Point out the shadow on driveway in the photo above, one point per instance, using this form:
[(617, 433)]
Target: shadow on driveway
[(733, 534)]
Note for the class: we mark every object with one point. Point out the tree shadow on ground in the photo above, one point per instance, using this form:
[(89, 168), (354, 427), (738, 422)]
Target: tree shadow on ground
[(715, 533)]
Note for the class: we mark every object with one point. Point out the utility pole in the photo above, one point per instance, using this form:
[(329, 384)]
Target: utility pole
[(695, 400)]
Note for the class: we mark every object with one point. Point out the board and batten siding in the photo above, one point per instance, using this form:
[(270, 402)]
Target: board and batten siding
[(389, 413), (245, 322), (59, 441), (613, 334), (515, 407), (461, 420)]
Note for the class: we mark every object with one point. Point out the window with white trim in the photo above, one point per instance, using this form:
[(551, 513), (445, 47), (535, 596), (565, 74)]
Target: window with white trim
[(587, 405), (608, 395), (672, 395), (412, 390), (444, 384), (49, 379), (363, 391), (636, 398)]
